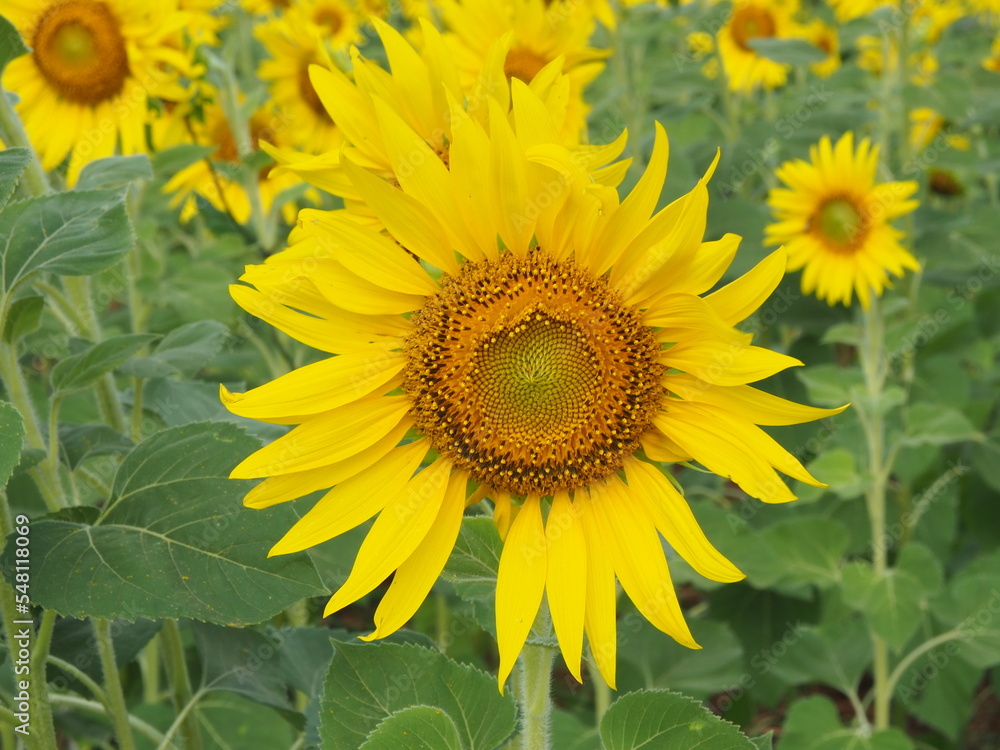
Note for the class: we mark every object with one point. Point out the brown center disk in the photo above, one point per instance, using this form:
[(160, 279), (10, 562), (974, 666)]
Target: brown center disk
[(78, 47), (532, 374), (751, 23)]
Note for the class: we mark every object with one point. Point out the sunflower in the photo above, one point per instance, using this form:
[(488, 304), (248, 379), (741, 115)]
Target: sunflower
[(745, 69), (540, 32), (833, 220), (550, 346), (424, 91), (825, 38), (848, 10), (215, 178), (94, 63), (294, 41)]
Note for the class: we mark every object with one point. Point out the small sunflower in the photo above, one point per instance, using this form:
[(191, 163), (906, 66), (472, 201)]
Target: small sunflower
[(294, 41), (94, 64), (215, 179), (561, 347), (848, 10), (825, 38), (833, 220), (745, 69), (540, 32)]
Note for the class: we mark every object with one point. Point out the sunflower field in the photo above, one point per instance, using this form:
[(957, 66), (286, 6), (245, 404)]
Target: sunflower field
[(481, 374)]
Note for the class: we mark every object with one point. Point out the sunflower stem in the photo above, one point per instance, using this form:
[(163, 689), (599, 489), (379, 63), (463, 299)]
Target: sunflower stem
[(873, 368), (177, 674), (534, 692), (117, 710), (12, 130)]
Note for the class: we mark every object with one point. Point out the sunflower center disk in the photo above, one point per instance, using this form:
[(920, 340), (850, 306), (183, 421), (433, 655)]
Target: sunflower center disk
[(532, 374), (839, 222), (79, 48), (523, 63), (751, 23)]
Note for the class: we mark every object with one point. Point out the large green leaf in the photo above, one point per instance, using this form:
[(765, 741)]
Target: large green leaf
[(788, 51), (183, 351), (11, 440), (836, 653), (814, 724), (669, 721), (802, 551), (474, 561), (114, 171), (23, 317), (934, 424), (173, 541), (415, 728), (72, 234), (13, 161), (971, 605), (890, 601), (369, 683), (81, 370)]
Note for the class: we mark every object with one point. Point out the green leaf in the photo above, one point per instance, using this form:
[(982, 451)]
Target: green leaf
[(23, 317), (764, 742), (173, 160), (569, 733), (671, 721), (11, 440), (368, 683), (921, 563), (836, 653), (472, 567), (173, 541), (72, 234), (11, 44), (842, 333), (114, 171), (803, 551), (934, 424), (183, 351), (788, 51), (814, 724), (13, 161), (415, 728), (74, 641), (891, 602), (82, 441), (838, 469), (78, 371), (829, 385), (971, 604)]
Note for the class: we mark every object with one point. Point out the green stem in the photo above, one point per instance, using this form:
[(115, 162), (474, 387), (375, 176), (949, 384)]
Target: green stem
[(873, 424), (602, 695), (34, 180), (78, 674), (147, 730), (117, 710), (916, 653), (149, 662), (177, 674), (534, 692)]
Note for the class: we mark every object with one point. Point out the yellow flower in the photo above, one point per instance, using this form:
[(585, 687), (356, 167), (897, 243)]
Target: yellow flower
[(992, 63), (701, 44), (825, 37), (848, 10), (94, 63), (561, 333), (424, 90), (833, 221), (754, 19), (542, 32), (294, 41), (218, 182), (923, 63)]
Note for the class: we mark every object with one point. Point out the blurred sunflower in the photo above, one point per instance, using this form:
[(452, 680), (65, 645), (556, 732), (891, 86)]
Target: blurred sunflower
[(848, 10), (992, 63), (825, 37), (559, 338), (423, 91), (294, 41), (84, 88), (926, 124), (754, 19), (541, 32), (216, 179), (833, 220)]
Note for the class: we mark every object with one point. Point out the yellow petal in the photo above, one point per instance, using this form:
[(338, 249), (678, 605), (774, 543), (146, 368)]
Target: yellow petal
[(284, 487), (740, 298), (508, 185), (681, 315), (674, 520), (397, 532), (638, 559), (600, 620), (658, 447), (350, 109), (723, 362), (520, 584), (318, 387), (566, 578), (326, 438), (752, 404), (355, 500), (415, 577)]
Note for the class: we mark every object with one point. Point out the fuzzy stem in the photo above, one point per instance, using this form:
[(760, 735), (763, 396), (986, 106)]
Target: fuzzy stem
[(117, 710), (34, 179), (534, 692), (177, 674)]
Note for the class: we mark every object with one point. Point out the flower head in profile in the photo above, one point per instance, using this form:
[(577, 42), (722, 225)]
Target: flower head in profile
[(517, 333), (833, 220), (93, 66)]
